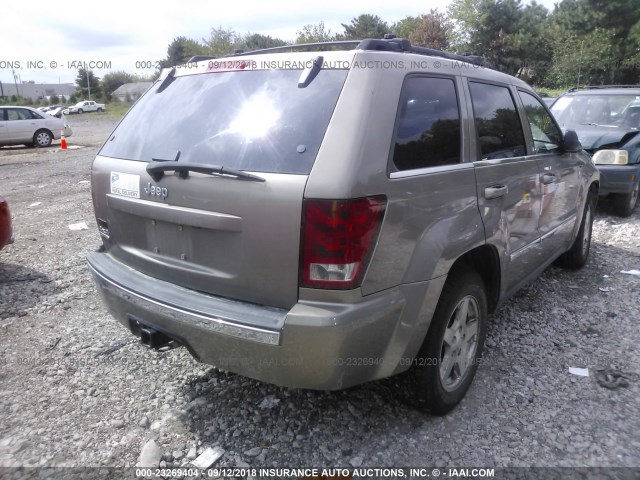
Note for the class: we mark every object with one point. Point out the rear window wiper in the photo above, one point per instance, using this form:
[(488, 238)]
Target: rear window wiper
[(157, 170)]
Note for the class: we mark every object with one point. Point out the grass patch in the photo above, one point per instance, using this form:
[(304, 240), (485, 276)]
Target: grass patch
[(116, 111)]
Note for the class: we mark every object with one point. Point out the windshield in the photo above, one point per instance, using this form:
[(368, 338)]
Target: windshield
[(605, 109), (257, 120)]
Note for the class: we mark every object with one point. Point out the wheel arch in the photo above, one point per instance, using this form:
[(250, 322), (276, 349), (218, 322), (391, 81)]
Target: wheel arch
[(485, 260)]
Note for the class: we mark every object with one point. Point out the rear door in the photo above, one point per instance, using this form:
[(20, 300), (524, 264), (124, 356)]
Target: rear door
[(219, 233), (507, 181), (20, 125), (3, 125)]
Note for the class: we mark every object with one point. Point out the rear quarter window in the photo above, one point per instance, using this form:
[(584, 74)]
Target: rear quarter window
[(428, 126), (256, 120)]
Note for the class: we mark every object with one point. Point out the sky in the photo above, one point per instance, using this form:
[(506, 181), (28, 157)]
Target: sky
[(46, 41)]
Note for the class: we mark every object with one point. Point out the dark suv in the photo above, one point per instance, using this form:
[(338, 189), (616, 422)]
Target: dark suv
[(607, 120), (319, 219)]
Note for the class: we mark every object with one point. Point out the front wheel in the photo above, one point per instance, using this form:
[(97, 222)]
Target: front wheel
[(80, 111), (576, 257), (625, 204), (451, 353)]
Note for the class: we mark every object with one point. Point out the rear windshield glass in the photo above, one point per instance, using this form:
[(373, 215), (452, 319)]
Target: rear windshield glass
[(253, 120)]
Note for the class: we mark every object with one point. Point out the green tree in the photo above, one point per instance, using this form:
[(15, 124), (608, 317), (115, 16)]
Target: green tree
[(113, 80), (54, 99), (313, 33), (365, 26), (405, 27), (86, 79), (595, 42), (511, 38), (257, 41), (432, 30), (180, 50), (222, 42)]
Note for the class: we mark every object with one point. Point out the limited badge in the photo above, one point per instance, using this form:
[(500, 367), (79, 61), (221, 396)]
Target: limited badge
[(125, 184)]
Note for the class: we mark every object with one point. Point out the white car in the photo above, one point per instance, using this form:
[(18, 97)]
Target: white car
[(86, 106), (28, 126)]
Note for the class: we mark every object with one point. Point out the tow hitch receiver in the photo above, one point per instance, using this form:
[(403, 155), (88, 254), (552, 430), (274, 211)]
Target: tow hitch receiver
[(149, 336), (153, 339)]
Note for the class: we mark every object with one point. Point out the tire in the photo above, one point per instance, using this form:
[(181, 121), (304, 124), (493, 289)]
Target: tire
[(42, 138), (451, 353), (80, 111), (625, 204), (100, 110), (576, 257)]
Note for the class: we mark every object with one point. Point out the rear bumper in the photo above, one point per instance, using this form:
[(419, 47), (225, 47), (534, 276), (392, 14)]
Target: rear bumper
[(618, 178), (315, 345)]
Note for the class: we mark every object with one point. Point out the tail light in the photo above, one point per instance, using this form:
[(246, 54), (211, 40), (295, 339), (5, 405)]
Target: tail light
[(338, 237)]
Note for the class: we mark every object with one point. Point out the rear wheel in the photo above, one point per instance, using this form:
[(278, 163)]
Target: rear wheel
[(625, 204), (42, 139), (576, 257), (451, 353), (100, 110)]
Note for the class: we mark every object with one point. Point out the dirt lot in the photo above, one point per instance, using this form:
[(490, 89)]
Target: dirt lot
[(78, 390)]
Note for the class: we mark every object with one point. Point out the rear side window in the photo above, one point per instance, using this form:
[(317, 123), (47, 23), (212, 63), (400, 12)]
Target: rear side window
[(255, 120), (19, 114), (497, 122), (428, 127), (546, 136)]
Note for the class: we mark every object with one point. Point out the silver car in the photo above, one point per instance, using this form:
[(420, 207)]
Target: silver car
[(319, 219), (28, 126)]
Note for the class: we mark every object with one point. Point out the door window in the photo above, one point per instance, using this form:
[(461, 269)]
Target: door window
[(545, 133), (18, 114), (497, 122)]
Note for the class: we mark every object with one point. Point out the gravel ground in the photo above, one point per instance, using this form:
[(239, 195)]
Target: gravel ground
[(78, 390)]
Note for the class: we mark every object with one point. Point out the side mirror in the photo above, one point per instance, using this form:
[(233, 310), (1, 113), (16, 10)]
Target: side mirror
[(570, 142)]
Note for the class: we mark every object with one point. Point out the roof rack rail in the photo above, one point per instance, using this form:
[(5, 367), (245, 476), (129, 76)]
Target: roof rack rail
[(596, 87), (404, 45), (388, 44), (303, 47)]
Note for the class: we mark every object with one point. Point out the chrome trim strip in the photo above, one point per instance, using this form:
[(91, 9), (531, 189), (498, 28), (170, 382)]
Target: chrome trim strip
[(173, 214), (551, 233), (485, 162), (213, 324), (536, 243), (426, 171)]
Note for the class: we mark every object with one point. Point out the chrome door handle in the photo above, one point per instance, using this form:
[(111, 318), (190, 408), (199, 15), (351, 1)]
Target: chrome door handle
[(548, 178), (495, 191)]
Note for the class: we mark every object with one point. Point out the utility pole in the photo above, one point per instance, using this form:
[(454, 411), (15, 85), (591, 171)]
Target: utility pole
[(15, 81), (88, 85), (580, 61)]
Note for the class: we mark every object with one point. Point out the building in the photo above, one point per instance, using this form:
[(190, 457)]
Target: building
[(37, 91), (130, 92)]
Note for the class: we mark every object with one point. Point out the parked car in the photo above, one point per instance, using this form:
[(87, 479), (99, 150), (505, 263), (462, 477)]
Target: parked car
[(607, 120), (334, 222), (28, 126), (6, 232), (57, 112), (86, 106)]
